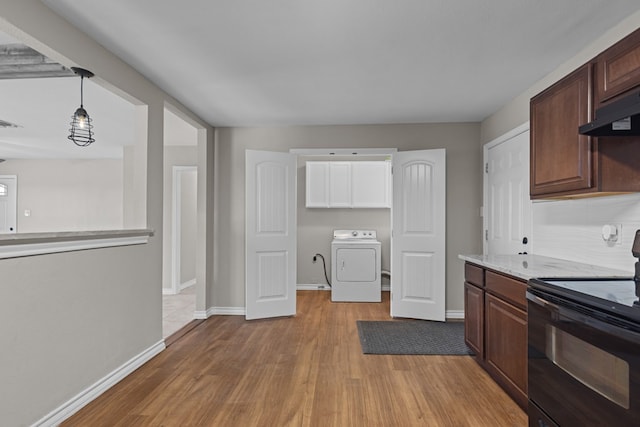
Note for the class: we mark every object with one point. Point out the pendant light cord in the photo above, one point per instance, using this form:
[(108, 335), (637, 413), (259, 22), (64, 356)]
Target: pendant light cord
[(81, 91)]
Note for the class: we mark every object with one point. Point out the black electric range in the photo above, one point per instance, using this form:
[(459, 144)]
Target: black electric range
[(583, 352)]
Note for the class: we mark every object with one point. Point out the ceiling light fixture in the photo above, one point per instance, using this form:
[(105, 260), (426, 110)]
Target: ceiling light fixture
[(81, 128)]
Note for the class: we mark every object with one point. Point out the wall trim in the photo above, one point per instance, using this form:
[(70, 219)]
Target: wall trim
[(227, 311), (188, 283), (219, 311), (343, 151), (83, 398), (26, 244), (455, 314)]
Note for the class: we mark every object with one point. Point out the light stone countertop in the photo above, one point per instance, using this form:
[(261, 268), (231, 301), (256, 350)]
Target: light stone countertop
[(531, 266)]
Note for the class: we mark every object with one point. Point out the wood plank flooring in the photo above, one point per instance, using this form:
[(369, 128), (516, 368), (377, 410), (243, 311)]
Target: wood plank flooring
[(308, 370)]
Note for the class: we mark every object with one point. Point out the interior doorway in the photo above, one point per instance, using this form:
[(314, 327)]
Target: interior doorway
[(179, 287)]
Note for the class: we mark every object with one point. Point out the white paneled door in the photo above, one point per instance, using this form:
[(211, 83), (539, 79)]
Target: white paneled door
[(270, 276), (8, 203), (508, 220), (418, 235)]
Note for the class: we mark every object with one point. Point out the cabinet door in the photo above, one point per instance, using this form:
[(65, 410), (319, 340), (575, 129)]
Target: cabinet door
[(339, 184), (371, 184), (561, 159), (317, 184), (506, 346), (618, 69), (474, 319)]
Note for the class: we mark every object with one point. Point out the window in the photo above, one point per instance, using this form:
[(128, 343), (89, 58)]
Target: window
[(4, 190)]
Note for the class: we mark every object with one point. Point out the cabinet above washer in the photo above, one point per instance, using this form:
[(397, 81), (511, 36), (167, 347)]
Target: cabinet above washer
[(347, 184)]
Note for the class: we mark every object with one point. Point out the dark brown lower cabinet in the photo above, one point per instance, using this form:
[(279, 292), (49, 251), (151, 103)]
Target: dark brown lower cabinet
[(506, 346), (474, 318), (496, 327)]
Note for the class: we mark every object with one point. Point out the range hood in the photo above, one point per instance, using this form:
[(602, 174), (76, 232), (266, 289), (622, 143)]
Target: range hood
[(620, 118)]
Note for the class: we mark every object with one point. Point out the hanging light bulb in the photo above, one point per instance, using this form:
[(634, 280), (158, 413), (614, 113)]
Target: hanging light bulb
[(81, 132)]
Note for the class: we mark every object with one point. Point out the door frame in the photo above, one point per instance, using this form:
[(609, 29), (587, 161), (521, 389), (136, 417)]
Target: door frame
[(176, 229), (338, 152), (484, 210), (15, 201)]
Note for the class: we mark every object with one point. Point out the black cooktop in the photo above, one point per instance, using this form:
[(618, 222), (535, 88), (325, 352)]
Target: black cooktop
[(616, 296)]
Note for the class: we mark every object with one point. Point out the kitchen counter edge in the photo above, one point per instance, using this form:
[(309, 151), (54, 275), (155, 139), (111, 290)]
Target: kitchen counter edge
[(531, 266)]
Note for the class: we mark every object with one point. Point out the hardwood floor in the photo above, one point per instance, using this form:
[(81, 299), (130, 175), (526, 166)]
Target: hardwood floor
[(302, 371)]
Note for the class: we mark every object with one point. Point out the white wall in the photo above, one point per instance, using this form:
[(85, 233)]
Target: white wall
[(571, 229), (69, 319), (68, 195), (464, 189)]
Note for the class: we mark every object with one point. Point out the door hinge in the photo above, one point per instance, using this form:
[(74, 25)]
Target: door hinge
[(486, 167), (486, 235)]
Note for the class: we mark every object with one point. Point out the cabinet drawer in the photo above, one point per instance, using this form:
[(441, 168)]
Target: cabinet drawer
[(507, 288), (474, 274)]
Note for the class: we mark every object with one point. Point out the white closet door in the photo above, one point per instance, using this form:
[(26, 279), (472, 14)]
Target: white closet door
[(270, 283), (418, 256)]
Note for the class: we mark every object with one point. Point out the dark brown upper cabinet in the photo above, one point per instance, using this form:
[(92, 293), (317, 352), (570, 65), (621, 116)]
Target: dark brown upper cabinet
[(617, 70), (565, 164), (561, 160)]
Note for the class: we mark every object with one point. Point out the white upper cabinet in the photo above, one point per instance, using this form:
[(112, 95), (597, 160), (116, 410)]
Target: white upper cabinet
[(317, 184), (365, 184), (340, 184)]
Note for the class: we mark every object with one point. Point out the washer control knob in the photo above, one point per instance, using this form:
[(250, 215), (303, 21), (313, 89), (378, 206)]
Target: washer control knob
[(354, 233)]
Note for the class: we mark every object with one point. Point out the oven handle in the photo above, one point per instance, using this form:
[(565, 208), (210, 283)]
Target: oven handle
[(627, 332), (542, 302)]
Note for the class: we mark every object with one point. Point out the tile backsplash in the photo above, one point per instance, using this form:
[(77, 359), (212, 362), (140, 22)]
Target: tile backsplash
[(572, 229)]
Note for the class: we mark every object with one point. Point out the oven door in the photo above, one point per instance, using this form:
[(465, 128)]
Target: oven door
[(583, 371)]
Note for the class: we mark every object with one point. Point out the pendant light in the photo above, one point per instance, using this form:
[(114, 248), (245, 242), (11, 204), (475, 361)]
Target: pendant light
[(81, 128)]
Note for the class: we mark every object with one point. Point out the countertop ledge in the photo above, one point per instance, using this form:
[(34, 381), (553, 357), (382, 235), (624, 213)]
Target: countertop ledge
[(27, 244), (531, 266)]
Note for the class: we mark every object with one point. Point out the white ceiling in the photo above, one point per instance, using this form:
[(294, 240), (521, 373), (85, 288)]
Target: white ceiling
[(289, 62)]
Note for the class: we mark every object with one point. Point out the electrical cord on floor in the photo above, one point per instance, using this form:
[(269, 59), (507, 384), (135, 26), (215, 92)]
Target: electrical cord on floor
[(324, 267)]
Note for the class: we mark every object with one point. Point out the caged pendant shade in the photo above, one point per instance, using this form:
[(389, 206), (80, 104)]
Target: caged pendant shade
[(81, 132)]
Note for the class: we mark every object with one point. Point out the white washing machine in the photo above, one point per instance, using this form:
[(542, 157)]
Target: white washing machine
[(355, 266)]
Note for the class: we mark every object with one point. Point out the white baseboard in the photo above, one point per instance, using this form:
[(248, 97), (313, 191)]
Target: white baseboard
[(228, 311), (240, 311), (188, 283), (83, 398), (220, 311), (455, 314)]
